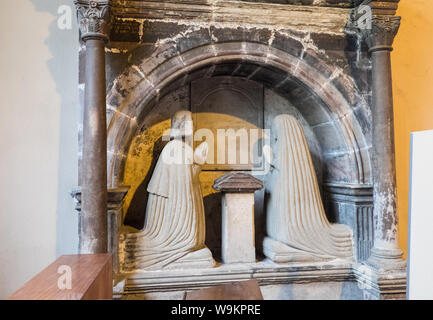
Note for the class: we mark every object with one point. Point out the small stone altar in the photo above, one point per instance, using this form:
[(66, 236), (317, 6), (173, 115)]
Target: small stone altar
[(238, 234)]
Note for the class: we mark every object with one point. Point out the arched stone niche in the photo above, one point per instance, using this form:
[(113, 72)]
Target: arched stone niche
[(326, 102)]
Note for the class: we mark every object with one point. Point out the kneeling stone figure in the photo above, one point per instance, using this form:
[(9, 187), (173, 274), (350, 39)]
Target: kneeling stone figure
[(297, 227), (173, 236)]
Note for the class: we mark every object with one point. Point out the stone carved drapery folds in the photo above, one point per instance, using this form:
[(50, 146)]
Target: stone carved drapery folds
[(174, 231), (94, 19), (385, 254), (297, 226)]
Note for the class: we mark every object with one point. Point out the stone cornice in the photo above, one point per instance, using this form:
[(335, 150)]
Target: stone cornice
[(94, 19), (323, 17), (382, 34), (235, 14), (134, 7), (384, 6)]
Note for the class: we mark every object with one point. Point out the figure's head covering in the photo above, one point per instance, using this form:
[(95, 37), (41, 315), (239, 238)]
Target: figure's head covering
[(285, 129), (181, 124)]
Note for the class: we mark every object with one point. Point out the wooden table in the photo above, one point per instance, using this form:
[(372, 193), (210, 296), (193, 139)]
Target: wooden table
[(71, 277)]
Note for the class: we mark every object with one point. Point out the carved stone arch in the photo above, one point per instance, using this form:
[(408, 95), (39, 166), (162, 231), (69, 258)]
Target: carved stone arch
[(130, 97)]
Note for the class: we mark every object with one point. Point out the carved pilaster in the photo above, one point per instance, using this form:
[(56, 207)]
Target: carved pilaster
[(352, 205), (386, 256), (94, 19), (382, 33)]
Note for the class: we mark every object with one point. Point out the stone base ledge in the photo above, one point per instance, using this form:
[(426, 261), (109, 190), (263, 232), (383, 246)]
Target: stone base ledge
[(266, 273), (374, 285)]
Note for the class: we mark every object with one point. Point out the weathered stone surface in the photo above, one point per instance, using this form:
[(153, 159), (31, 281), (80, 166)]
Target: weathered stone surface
[(338, 168), (312, 111), (270, 77), (329, 137), (287, 44), (126, 31)]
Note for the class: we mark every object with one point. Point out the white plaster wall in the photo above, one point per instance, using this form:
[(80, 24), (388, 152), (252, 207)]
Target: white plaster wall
[(38, 139), (420, 258)]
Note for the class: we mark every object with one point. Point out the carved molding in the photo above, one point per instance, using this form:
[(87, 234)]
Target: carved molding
[(390, 286), (374, 286), (381, 36), (238, 182), (114, 201), (264, 273), (94, 19), (229, 13)]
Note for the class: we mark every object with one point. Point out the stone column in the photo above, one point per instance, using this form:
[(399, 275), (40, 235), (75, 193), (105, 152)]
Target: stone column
[(94, 20), (238, 234), (385, 253)]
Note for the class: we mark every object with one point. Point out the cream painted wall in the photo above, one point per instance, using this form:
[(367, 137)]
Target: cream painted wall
[(412, 64), (38, 139)]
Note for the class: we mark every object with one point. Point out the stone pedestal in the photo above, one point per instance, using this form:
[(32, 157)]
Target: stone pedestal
[(238, 241), (113, 216)]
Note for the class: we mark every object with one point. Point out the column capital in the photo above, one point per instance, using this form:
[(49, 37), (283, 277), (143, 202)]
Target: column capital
[(94, 18), (382, 33)]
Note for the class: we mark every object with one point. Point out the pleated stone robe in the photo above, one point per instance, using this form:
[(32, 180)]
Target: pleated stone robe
[(174, 231), (297, 227)]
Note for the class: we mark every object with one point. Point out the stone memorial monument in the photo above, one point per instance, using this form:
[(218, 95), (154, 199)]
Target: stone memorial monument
[(297, 226), (327, 63)]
